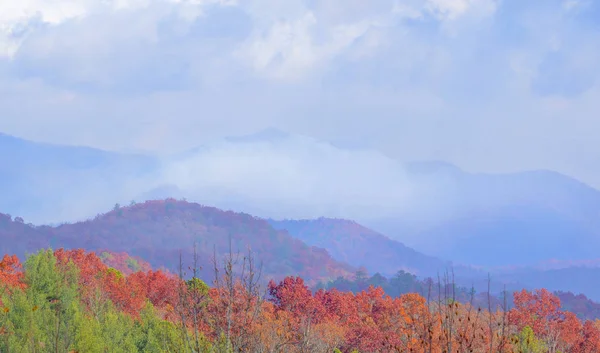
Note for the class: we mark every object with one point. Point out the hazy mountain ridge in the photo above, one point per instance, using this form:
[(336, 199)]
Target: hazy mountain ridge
[(41, 182), (537, 211), (433, 207), (574, 279), (158, 230), (349, 242)]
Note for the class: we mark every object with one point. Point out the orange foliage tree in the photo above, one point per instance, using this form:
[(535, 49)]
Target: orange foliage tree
[(235, 315)]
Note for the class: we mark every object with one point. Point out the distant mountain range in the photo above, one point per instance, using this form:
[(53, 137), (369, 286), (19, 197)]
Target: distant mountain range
[(349, 242), (435, 208), (158, 231), (499, 220), (42, 182)]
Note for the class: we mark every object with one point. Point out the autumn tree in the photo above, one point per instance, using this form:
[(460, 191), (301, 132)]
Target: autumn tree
[(540, 310)]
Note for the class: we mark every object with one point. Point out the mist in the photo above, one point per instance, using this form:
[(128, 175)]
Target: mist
[(434, 207), (501, 92), (289, 177)]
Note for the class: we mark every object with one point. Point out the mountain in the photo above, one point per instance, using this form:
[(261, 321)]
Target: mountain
[(40, 181), (499, 219), (349, 242), (158, 230), (573, 279), (436, 208), (518, 234)]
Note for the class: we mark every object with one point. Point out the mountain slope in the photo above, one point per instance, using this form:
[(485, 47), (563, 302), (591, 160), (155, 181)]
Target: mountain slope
[(159, 230), (349, 242), (497, 220), (433, 207), (574, 279), (518, 234), (40, 181)]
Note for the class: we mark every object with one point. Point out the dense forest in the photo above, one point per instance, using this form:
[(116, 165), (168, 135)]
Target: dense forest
[(72, 301)]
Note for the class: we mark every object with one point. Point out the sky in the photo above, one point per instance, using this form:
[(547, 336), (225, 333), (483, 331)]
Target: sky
[(490, 85)]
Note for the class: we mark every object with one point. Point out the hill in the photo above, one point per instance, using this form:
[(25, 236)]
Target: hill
[(581, 305), (350, 242), (158, 230), (435, 208)]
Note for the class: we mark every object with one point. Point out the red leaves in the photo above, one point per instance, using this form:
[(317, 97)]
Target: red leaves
[(158, 287), (297, 320), (294, 296), (536, 309), (540, 310), (589, 341), (99, 282), (10, 272)]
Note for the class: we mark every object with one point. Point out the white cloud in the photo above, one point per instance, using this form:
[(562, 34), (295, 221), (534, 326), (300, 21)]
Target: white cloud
[(453, 9), (289, 50), (18, 19), (421, 79), (292, 48), (294, 177), (288, 40)]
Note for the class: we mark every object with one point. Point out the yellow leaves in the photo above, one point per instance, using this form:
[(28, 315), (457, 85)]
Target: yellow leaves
[(5, 309), (35, 308), (114, 274)]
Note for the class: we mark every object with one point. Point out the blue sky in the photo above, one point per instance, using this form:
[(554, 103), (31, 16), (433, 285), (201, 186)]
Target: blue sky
[(491, 85)]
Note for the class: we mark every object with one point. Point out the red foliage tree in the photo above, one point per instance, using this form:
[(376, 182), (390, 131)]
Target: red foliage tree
[(589, 340), (540, 310), (10, 272)]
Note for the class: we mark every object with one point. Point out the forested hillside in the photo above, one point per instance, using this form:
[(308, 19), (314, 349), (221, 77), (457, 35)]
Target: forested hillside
[(158, 231), (70, 301), (350, 242)]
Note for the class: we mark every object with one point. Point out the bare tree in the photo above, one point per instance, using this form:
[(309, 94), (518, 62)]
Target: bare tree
[(191, 306), (240, 299), (447, 309)]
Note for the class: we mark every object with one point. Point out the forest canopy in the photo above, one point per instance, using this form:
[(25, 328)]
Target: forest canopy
[(71, 301)]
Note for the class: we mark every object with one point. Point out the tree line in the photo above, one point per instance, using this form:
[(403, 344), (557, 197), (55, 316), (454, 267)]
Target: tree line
[(71, 301)]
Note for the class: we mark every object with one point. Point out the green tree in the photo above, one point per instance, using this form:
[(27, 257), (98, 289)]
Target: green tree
[(41, 318), (158, 335), (528, 343)]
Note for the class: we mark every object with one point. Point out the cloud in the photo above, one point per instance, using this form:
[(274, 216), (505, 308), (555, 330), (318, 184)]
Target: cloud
[(288, 49), (269, 175), (488, 85), (109, 45), (294, 176), (453, 9), (153, 43)]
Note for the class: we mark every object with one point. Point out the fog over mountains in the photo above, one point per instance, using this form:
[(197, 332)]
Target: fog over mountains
[(434, 207)]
